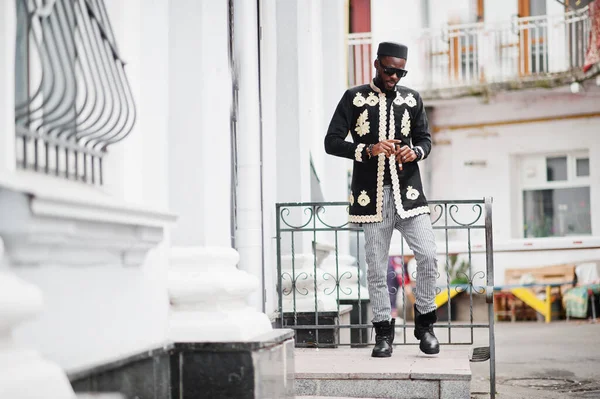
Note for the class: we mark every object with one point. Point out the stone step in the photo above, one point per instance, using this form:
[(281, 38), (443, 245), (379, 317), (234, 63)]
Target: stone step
[(353, 373)]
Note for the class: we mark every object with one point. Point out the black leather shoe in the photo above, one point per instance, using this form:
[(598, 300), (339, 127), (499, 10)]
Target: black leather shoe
[(384, 337), (424, 332)]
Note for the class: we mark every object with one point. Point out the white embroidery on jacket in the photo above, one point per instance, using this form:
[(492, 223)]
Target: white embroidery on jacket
[(405, 124), (363, 124), (372, 99), (363, 198), (378, 216), (359, 100), (408, 100), (358, 152), (412, 193), (396, 181)]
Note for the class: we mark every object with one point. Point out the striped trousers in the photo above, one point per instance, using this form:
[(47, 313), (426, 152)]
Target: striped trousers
[(418, 233)]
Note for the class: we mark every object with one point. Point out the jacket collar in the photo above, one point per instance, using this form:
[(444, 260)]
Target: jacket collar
[(378, 90)]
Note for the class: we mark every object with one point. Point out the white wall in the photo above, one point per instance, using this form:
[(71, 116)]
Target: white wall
[(100, 312), (500, 11), (399, 22), (7, 84), (498, 147)]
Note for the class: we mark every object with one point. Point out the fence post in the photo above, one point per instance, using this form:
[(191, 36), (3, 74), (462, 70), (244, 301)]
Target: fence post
[(489, 255)]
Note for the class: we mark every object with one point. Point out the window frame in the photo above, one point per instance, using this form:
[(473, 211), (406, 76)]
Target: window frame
[(573, 181)]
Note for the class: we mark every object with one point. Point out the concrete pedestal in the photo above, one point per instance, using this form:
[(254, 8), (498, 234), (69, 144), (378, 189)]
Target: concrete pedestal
[(262, 367)]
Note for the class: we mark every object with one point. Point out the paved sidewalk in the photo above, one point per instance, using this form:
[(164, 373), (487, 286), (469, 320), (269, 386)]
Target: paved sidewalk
[(535, 360), (407, 374)]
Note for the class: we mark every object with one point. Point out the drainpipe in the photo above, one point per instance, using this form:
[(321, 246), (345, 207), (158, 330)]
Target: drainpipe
[(249, 232)]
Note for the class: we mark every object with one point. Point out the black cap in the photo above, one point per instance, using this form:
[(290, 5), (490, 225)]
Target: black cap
[(392, 49)]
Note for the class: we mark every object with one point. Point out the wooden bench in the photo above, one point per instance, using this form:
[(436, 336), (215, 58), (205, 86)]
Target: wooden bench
[(550, 280)]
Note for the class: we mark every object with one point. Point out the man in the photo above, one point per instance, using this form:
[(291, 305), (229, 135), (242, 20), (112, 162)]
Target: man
[(390, 135)]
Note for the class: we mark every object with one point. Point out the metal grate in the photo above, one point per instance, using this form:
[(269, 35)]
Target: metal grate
[(72, 97), (480, 354)]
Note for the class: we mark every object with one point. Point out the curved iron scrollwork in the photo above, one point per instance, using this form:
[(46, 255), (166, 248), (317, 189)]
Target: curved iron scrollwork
[(439, 210), (322, 209), (453, 211), (73, 99), (285, 212), (294, 281), (346, 291)]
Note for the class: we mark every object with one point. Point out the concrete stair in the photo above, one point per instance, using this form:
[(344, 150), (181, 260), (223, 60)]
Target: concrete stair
[(353, 373)]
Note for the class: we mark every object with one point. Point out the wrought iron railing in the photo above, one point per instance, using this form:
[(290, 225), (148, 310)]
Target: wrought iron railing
[(72, 96), (529, 48), (524, 48), (322, 277)]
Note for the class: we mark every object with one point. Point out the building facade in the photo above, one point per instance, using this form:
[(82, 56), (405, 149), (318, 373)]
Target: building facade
[(512, 95), (143, 148)]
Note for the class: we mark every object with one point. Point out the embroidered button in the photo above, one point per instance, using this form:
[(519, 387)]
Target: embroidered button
[(359, 100), (351, 198), (412, 193), (363, 198), (372, 100), (409, 100)]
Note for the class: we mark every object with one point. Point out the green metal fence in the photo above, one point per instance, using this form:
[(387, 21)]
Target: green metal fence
[(322, 283)]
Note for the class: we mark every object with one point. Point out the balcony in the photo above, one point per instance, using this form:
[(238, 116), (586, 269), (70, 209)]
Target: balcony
[(470, 59)]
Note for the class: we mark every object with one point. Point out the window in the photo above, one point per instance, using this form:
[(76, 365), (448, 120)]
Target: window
[(533, 33), (463, 40), (556, 195), (72, 97)]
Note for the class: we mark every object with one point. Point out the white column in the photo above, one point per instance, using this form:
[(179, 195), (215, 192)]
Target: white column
[(199, 123), (268, 89), (206, 289), (7, 88), (310, 78), (293, 111), (248, 234), (292, 153), (334, 179), (25, 374), (208, 297)]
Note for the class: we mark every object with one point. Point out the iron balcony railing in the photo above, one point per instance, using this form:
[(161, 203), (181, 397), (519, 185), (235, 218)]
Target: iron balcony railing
[(72, 97), (530, 48), (322, 277)]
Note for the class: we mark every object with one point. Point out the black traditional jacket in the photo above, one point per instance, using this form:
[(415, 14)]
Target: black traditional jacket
[(371, 116)]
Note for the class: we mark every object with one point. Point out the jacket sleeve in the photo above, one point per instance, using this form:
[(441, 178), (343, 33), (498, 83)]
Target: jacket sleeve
[(421, 137), (335, 139)]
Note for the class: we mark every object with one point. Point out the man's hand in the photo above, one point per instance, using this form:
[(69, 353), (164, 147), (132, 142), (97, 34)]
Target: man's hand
[(405, 154), (387, 147)]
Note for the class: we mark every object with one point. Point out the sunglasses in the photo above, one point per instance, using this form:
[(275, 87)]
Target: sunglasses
[(389, 71)]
